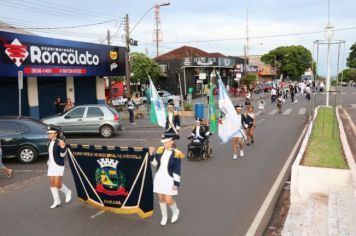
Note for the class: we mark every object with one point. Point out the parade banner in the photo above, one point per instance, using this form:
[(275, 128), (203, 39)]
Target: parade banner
[(116, 179)]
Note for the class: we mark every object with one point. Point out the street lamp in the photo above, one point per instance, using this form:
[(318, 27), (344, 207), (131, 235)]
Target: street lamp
[(329, 33)]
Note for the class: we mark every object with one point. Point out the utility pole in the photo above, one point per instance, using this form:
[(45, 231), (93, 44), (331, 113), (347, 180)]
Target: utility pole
[(247, 39), (108, 38), (128, 68), (158, 31)]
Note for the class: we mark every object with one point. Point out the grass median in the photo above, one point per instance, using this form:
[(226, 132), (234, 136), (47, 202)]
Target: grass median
[(324, 147)]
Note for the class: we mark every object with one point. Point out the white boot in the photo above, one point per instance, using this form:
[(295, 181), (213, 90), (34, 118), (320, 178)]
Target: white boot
[(175, 212), (56, 199), (163, 207), (66, 192)]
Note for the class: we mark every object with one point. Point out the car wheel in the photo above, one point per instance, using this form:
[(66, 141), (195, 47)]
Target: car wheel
[(27, 154), (106, 131)]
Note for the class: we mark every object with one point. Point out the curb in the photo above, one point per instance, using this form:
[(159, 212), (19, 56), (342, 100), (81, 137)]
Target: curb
[(265, 212)]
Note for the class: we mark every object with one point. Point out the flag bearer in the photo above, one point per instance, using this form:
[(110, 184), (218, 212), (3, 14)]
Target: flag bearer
[(237, 142)]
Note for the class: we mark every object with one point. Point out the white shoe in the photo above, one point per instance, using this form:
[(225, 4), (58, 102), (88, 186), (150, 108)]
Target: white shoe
[(234, 157), (68, 196), (241, 153), (55, 204), (175, 216)]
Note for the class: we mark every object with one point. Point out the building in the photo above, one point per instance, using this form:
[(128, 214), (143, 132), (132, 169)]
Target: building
[(191, 68), (53, 67)]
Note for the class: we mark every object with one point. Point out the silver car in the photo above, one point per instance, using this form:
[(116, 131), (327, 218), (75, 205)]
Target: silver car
[(96, 118)]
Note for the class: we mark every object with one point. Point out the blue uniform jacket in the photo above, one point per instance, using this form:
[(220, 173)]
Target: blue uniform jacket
[(174, 163), (58, 153), (176, 122)]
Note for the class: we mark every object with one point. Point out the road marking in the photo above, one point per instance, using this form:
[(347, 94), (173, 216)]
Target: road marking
[(302, 111), (142, 131), (343, 93), (116, 139), (262, 218), (258, 113), (274, 111), (287, 112), (353, 92), (97, 214), (353, 105), (260, 121), (29, 171)]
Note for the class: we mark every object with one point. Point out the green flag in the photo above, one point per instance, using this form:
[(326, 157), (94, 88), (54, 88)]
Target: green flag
[(212, 110)]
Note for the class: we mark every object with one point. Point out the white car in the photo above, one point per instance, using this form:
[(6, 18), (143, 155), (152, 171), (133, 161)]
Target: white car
[(165, 96), (119, 101)]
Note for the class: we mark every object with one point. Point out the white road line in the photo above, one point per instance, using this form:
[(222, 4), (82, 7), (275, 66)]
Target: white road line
[(142, 131), (110, 139), (353, 92), (97, 214), (287, 112), (353, 105), (343, 93), (258, 113), (260, 121), (302, 111), (274, 111)]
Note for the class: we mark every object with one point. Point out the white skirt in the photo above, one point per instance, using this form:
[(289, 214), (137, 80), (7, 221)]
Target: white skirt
[(55, 170), (163, 184)]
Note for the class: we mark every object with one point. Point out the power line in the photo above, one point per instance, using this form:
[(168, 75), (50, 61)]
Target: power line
[(64, 27)]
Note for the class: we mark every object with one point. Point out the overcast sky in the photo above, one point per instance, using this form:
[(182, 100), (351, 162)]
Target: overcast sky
[(213, 26)]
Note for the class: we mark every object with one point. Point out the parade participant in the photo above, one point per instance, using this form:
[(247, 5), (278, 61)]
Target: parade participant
[(57, 151), (176, 101), (199, 132), (7, 171), (261, 105), (273, 94), (279, 104), (237, 140), (172, 121), (248, 98), (292, 92), (251, 122), (166, 182)]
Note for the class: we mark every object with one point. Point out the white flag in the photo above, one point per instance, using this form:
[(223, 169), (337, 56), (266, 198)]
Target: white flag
[(158, 111), (229, 121)]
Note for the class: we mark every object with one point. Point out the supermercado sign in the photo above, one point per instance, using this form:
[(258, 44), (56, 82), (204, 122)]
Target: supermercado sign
[(41, 56)]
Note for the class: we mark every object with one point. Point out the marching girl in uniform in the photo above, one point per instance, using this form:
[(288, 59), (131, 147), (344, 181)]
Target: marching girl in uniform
[(251, 122), (167, 159), (56, 152), (237, 140)]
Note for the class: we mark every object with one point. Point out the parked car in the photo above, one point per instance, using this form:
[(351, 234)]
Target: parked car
[(23, 138), (344, 83), (165, 96), (119, 101), (97, 118)]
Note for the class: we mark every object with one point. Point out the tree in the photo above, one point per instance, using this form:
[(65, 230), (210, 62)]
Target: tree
[(140, 64), (248, 79), (351, 60), (290, 61), (349, 74)]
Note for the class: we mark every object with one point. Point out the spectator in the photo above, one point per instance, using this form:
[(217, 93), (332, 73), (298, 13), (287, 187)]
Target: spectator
[(176, 101), (7, 171), (68, 105), (58, 105), (130, 108)]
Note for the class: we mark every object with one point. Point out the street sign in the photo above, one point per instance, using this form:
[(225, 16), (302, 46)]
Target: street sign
[(20, 79)]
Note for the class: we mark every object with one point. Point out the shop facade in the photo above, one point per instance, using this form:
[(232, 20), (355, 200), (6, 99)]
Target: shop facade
[(53, 67)]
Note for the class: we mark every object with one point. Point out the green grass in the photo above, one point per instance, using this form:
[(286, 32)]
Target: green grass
[(324, 148)]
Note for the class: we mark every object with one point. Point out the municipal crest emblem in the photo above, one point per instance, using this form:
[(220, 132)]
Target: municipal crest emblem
[(109, 180), (222, 117)]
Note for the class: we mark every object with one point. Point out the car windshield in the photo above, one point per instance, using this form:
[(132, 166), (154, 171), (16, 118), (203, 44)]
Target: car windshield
[(113, 111)]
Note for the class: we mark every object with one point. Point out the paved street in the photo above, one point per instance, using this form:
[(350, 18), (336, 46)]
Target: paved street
[(219, 196)]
